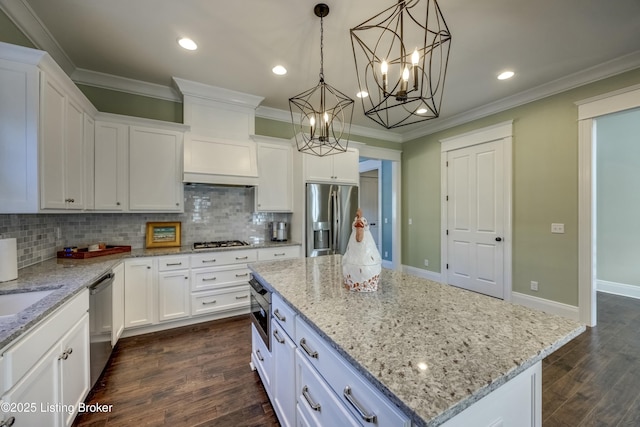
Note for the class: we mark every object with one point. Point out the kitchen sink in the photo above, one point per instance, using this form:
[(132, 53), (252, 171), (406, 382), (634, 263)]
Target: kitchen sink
[(11, 304)]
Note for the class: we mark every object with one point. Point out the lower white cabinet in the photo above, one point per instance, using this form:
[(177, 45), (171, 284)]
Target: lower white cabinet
[(138, 292), (262, 360), (173, 295), (117, 304), (283, 382), (47, 371)]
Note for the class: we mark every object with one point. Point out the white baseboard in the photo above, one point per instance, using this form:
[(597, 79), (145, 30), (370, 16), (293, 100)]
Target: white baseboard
[(425, 274), (622, 289), (548, 306), (387, 264)]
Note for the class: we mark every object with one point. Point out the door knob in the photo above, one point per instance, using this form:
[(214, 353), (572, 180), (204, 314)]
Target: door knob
[(498, 239)]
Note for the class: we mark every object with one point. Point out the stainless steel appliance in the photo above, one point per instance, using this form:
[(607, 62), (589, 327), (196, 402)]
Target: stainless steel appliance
[(219, 244), (101, 324), (278, 231), (331, 209), (261, 310)]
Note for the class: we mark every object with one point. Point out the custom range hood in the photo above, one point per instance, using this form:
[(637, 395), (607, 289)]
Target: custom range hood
[(219, 149)]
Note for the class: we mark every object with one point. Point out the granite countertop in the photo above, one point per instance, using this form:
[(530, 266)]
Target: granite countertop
[(67, 276), (469, 343)]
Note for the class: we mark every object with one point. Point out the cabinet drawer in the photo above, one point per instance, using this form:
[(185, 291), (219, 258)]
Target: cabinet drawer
[(218, 277), (221, 300), (284, 315), (356, 393), (28, 350), (212, 259), (262, 359), (317, 403), (281, 252), (167, 263)]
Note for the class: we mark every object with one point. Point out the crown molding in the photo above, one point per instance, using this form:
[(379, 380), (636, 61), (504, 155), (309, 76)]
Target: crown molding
[(124, 84), (34, 29), (285, 116), (218, 94), (581, 78)]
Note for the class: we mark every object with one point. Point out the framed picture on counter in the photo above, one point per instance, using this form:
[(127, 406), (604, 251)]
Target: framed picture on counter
[(163, 234)]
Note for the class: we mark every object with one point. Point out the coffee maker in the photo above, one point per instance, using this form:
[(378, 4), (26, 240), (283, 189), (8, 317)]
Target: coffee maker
[(278, 231)]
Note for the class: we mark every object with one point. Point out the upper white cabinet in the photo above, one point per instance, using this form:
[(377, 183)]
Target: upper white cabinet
[(337, 168), (138, 165), (275, 177), (43, 140), (111, 166), (155, 169)]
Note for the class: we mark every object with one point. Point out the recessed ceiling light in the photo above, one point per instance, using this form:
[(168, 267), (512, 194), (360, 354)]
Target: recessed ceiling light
[(362, 94), (505, 75), (187, 43), (279, 70)]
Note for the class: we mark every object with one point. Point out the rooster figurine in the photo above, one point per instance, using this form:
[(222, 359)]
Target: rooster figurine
[(361, 263)]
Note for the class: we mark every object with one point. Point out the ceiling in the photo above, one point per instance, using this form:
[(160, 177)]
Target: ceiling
[(551, 45)]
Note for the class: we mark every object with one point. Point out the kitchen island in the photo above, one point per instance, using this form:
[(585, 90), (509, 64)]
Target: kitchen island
[(433, 350)]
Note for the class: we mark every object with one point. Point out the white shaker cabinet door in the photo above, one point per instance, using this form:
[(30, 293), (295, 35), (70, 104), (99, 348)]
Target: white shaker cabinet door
[(155, 170), (173, 295), (138, 293), (275, 185), (111, 166)]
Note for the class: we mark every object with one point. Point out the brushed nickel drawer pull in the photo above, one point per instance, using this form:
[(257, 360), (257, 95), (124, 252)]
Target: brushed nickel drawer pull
[(312, 404), (208, 302), (281, 254), (173, 264), (243, 297), (305, 347), (278, 337), (242, 275), (209, 279), (259, 356), (279, 316), (238, 258), (204, 261), (370, 418)]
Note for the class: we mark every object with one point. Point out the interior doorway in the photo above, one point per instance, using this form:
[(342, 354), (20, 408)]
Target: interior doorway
[(588, 111), (370, 196)]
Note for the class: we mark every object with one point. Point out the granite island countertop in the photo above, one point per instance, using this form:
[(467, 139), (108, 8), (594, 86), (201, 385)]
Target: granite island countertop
[(66, 277), (470, 343)]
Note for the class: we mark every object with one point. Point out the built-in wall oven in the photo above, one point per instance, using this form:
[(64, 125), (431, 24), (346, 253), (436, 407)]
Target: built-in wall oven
[(261, 310)]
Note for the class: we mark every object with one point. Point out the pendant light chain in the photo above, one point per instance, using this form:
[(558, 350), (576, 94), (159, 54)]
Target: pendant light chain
[(321, 49)]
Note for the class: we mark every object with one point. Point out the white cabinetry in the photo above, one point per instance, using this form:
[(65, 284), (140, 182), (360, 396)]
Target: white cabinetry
[(283, 383), (43, 141), (337, 168), (138, 292), (155, 169), (50, 366), (117, 304), (262, 360), (173, 288), (111, 166), (275, 177), (138, 165)]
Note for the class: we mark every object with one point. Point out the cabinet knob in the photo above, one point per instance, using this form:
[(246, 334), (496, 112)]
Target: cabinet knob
[(117, 203), (177, 204), (148, 267)]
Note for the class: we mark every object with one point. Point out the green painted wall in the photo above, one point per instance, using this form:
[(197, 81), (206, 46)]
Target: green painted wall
[(617, 201), (387, 210), (113, 101), (545, 181), (9, 33), (278, 129)]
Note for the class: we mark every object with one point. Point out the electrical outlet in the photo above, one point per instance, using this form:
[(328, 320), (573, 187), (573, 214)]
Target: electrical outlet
[(386, 254), (58, 233), (557, 228), (143, 229), (426, 262), (534, 286), (410, 221), (386, 220)]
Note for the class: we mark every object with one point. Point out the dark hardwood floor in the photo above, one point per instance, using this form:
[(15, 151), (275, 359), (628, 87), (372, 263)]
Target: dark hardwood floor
[(595, 379), (191, 376), (199, 376)]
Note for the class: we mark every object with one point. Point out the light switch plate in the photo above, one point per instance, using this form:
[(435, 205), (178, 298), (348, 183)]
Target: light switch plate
[(557, 228)]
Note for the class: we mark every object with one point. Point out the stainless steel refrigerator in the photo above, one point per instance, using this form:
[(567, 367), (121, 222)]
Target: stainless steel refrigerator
[(331, 209)]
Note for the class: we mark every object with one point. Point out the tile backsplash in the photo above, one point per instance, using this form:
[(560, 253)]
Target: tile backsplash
[(211, 213)]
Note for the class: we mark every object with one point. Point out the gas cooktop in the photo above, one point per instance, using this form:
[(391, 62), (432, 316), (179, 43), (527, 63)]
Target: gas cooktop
[(219, 244)]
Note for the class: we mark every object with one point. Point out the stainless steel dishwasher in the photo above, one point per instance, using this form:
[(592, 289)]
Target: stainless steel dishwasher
[(101, 324)]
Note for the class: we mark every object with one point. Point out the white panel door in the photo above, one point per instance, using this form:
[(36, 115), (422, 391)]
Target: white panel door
[(475, 218), (369, 205)]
